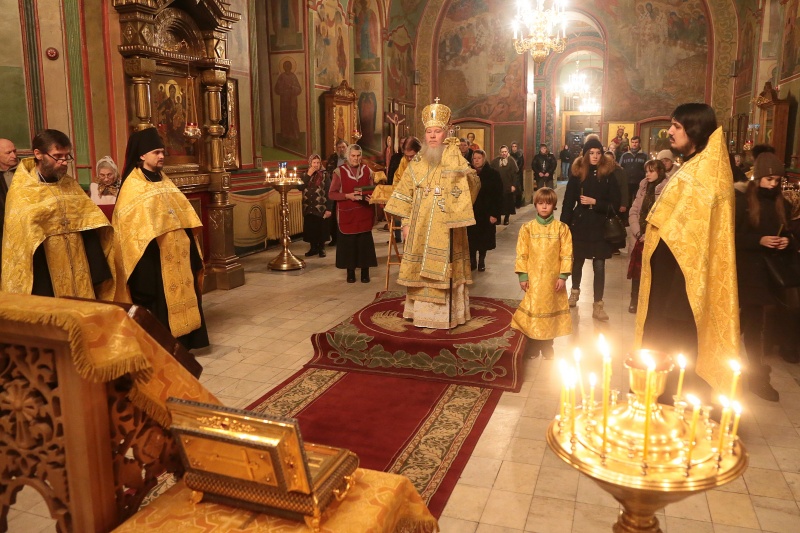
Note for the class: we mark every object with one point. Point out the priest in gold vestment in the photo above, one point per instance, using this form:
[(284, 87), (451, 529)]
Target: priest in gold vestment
[(158, 250), (434, 200), (56, 241), (688, 301)]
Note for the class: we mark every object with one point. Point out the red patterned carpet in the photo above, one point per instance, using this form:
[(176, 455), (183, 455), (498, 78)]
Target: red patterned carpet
[(423, 429), (378, 340)]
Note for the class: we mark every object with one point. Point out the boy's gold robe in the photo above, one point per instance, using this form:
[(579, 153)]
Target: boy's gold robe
[(544, 252), (432, 201), (694, 216), (146, 211), (52, 214)]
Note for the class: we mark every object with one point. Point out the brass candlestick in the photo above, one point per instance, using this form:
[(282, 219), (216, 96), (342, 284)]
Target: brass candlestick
[(673, 467), (284, 182)]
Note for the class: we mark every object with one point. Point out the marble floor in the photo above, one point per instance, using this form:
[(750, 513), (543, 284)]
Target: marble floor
[(512, 483)]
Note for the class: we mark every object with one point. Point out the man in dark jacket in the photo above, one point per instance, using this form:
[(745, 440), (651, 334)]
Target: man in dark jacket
[(487, 208), (566, 160), (633, 162), (544, 167), (466, 151), (516, 153)]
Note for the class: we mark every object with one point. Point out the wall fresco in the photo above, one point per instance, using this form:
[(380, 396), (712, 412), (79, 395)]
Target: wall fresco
[(400, 65), (747, 49), (331, 43), (367, 30), (289, 82), (790, 55), (479, 73)]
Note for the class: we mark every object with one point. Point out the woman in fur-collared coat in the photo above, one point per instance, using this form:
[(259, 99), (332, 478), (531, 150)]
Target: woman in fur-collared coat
[(592, 195)]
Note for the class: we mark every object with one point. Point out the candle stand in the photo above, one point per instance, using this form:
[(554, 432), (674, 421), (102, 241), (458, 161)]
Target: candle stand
[(671, 466), (285, 260)]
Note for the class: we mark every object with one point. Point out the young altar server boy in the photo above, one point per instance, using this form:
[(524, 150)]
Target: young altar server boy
[(544, 262)]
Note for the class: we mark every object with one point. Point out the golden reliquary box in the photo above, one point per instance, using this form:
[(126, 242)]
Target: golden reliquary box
[(258, 462)]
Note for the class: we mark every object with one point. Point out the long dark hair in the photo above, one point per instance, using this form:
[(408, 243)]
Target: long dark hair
[(698, 120), (754, 207)]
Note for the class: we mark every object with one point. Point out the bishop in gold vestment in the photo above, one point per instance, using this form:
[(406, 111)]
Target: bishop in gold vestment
[(434, 200), (56, 241)]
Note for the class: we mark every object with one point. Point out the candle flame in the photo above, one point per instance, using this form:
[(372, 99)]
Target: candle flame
[(576, 354), (723, 400), (737, 408), (592, 379), (681, 361), (648, 360), (602, 345), (692, 399), (735, 366)]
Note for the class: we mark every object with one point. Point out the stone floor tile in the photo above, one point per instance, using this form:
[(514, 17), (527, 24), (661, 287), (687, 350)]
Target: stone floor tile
[(557, 483), (682, 525), (467, 502), (480, 472), (455, 525), (517, 477), (732, 509), (590, 492), (768, 483), (694, 508), (550, 515), (506, 509), (780, 516), (526, 451), (593, 518)]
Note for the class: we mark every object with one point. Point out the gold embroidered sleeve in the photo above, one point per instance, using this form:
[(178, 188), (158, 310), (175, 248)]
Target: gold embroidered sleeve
[(523, 250)]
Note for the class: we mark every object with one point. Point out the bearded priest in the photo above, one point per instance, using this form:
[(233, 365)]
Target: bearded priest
[(434, 201), (157, 232)]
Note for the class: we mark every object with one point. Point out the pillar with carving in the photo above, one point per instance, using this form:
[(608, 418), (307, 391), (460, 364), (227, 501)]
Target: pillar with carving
[(141, 70), (223, 262)]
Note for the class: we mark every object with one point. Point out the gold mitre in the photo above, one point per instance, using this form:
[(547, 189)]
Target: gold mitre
[(436, 115)]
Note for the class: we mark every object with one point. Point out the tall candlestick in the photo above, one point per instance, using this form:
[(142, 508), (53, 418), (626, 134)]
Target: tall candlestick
[(651, 367), (693, 428), (592, 383), (682, 364), (604, 350), (723, 423), (577, 355), (737, 372), (737, 410)]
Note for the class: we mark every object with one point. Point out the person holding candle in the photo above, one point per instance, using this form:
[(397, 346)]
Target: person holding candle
[(761, 217), (592, 195), (544, 262), (317, 207), (688, 300), (355, 248)]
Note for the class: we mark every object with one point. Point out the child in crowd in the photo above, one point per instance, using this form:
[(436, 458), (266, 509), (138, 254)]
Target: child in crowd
[(544, 262)]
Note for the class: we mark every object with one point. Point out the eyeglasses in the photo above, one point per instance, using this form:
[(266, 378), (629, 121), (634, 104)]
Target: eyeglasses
[(66, 159)]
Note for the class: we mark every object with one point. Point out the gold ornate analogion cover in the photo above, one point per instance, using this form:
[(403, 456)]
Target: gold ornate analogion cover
[(257, 462)]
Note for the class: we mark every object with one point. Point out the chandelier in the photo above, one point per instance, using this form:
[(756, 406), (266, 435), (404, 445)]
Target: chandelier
[(577, 86), (538, 30), (590, 105)]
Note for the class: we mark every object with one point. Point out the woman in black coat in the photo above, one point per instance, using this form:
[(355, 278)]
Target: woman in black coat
[(487, 208), (592, 195), (761, 222)]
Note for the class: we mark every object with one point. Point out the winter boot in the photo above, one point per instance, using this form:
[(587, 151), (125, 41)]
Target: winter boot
[(598, 312), (573, 297)]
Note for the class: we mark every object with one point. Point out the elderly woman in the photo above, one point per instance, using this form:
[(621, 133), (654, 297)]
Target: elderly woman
[(317, 207), (105, 190)]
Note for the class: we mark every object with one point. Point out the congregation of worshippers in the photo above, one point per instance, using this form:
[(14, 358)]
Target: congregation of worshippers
[(448, 198), (149, 168)]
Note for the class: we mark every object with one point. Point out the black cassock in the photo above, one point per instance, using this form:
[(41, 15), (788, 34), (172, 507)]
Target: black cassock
[(488, 204)]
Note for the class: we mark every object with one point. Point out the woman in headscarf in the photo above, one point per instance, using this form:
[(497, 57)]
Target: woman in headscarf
[(104, 191)]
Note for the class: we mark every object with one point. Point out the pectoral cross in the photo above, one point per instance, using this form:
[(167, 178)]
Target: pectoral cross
[(456, 192)]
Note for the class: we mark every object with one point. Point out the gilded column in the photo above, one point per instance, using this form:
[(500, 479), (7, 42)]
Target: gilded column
[(141, 70), (223, 262)]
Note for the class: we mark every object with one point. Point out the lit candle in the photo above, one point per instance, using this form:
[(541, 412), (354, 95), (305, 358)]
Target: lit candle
[(737, 372), (604, 350), (592, 383), (737, 410), (682, 364), (573, 414), (562, 367), (723, 423), (576, 354), (651, 367), (693, 428)]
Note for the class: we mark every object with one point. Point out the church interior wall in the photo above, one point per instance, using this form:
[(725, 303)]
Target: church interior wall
[(13, 106)]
